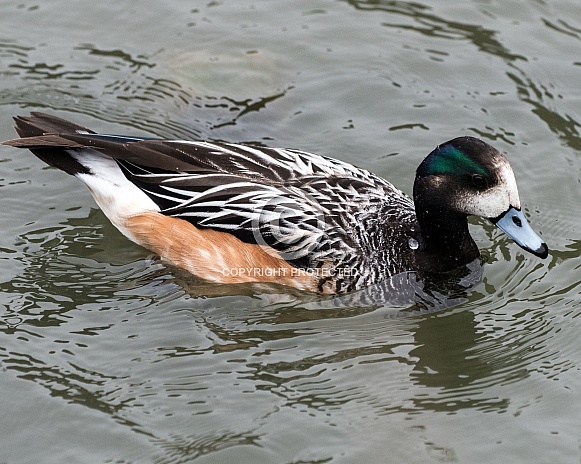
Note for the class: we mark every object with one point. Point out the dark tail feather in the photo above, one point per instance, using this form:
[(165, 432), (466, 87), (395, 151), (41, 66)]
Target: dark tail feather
[(39, 133), (41, 124), (51, 139)]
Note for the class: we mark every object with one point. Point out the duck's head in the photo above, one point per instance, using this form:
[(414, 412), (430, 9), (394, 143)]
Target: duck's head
[(466, 176)]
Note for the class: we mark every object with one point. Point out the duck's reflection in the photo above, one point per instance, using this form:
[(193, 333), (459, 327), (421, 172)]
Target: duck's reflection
[(401, 295)]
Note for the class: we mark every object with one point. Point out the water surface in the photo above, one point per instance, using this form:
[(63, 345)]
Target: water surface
[(109, 355)]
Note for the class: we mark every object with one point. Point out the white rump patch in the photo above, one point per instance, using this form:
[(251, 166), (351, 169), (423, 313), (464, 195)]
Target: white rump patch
[(114, 194)]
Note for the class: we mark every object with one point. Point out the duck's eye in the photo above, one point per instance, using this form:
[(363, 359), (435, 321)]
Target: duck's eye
[(479, 181)]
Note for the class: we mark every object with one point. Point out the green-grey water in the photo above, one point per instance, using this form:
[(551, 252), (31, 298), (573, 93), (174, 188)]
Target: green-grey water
[(108, 355)]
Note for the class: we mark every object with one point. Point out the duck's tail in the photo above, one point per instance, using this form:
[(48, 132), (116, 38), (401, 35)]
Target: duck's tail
[(51, 139), (39, 133)]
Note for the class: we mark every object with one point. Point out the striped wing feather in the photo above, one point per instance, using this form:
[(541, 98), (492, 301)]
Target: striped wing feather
[(305, 206)]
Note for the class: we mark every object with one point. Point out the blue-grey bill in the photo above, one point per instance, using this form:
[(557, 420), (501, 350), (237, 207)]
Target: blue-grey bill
[(514, 224)]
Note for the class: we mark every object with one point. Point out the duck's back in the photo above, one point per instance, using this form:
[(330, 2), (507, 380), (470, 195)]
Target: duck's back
[(319, 214)]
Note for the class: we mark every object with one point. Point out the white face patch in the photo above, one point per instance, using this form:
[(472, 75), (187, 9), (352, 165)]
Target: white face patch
[(494, 201)]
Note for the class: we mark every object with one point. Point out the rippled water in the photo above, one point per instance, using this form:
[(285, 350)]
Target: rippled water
[(109, 355)]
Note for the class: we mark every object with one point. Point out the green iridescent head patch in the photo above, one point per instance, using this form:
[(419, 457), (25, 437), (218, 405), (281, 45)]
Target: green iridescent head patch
[(450, 160)]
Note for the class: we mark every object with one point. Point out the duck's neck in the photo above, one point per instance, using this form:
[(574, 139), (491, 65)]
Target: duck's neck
[(447, 243)]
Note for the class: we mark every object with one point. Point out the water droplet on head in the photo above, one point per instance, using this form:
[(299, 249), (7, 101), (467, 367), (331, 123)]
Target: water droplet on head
[(413, 243)]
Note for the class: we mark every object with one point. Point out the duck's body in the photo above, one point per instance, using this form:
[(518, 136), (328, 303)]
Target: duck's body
[(233, 213)]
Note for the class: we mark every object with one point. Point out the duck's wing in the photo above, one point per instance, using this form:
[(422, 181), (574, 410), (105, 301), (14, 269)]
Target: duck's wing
[(305, 206)]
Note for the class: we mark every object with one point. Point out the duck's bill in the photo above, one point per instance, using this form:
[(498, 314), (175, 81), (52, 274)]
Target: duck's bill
[(514, 224)]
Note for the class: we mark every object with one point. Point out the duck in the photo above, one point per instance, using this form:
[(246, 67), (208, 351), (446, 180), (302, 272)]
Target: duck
[(232, 213)]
